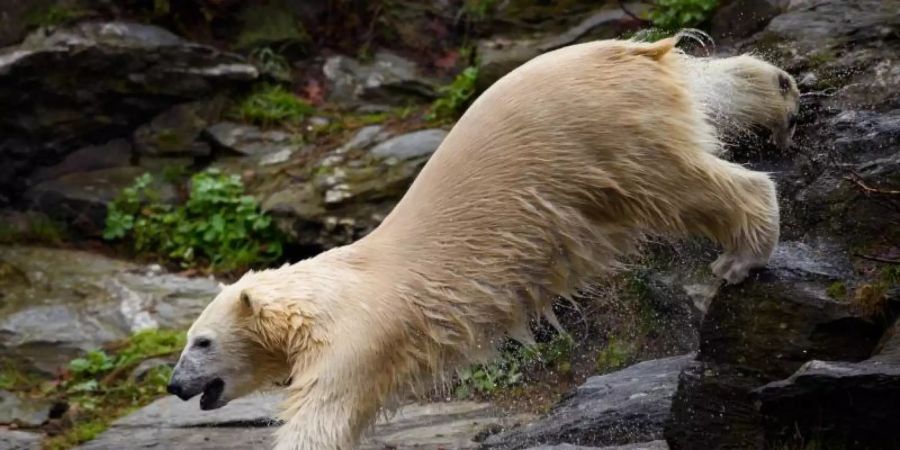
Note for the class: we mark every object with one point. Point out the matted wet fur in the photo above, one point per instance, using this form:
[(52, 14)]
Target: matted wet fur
[(551, 177)]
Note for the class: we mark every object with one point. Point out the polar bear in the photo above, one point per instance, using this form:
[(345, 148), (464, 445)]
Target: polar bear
[(553, 175)]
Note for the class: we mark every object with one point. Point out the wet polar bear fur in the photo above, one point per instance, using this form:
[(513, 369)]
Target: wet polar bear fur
[(552, 177)]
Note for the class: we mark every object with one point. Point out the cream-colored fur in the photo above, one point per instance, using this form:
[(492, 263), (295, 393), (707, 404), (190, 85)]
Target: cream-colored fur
[(552, 176)]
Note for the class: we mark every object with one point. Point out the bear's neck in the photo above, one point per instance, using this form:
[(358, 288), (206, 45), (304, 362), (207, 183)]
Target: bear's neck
[(370, 334), (721, 95)]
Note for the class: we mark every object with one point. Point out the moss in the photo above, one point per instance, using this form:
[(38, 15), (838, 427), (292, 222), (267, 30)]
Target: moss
[(54, 15), (79, 433), (617, 354), (837, 290), (821, 57), (271, 25), (33, 228), (13, 378)]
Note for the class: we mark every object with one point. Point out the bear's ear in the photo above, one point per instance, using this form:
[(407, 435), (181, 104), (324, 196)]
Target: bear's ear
[(249, 303)]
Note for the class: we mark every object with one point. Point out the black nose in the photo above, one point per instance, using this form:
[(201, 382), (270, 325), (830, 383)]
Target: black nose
[(174, 388)]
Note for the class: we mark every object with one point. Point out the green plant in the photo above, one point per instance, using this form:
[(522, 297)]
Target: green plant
[(506, 371), (271, 104), (456, 97), (98, 385), (218, 224), (677, 14), (486, 378), (91, 364)]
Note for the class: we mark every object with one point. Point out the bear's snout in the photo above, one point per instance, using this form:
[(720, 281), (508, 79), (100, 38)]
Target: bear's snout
[(174, 388)]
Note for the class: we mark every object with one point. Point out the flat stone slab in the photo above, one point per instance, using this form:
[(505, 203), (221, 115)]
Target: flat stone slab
[(19, 440), (249, 423), (654, 445), (623, 407)]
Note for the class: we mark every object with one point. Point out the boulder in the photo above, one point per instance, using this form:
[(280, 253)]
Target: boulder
[(80, 199), (761, 331), (20, 440), (654, 445), (739, 19), (622, 407), (348, 191), (497, 56), (388, 79), (174, 132), (75, 301), (849, 404), (249, 140), (109, 155), (84, 84), (22, 411), (249, 423)]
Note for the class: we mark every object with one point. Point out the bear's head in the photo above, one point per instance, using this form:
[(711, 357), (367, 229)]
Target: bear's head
[(763, 96), (246, 339)]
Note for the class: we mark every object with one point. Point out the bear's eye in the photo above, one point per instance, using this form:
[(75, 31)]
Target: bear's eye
[(784, 83), (202, 343)]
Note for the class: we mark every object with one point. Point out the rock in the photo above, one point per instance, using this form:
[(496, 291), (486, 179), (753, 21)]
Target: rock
[(739, 19), (350, 190), (829, 23), (498, 56), (147, 365), (271, 25), (81, 198), (175, 131), (115, 153), (25, 412), (655, 445), (848, 404), (84, 84), (622, 407), (19, 440), (77, 301), (761, 331), (410, 146), (250, 140), (248, 423), (388, 79)]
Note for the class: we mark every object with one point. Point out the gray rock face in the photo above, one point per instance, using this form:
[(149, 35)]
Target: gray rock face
[(81, 198), (72, 301), (350, 190), (87, 83), (249, 140), (19, 440), (857, 401), (654, 445), (23, 411), (761, 331), (499, 56), (623, 407), (740, 18), (410, 146), (388, 79), (113, 154), (175, 131), (248, 423)]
